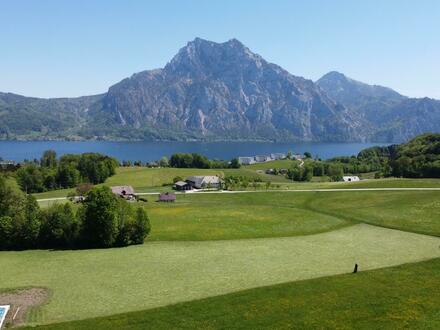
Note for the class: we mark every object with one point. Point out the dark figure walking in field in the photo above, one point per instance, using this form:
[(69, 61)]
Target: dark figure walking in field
[(355, 268)]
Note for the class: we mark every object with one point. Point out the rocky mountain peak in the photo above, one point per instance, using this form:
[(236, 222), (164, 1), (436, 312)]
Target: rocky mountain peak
[(203, 57)]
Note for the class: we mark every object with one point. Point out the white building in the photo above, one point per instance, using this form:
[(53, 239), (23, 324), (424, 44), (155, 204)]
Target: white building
[(352, 178), (278, 155), (262, 158), (246, 160)]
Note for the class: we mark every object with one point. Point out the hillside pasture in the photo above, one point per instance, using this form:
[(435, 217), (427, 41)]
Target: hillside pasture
[(90, 283), (401, 297)]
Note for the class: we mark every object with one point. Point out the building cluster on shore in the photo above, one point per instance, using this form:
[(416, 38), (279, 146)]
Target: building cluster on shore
[(267, 158)]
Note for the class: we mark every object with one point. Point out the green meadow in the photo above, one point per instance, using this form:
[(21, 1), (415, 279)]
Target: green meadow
[(212, 245), (145, 179), (278, 214), (91, 283), (402, 297)]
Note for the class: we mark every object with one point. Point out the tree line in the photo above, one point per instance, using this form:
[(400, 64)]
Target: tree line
[(102, 220), (418, 158), (68, 171), (194, 160)]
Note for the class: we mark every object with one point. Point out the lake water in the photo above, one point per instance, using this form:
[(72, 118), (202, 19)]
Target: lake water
[(149, 151)]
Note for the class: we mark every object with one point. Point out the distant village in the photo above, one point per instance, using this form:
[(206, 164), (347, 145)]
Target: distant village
[(267, 158)]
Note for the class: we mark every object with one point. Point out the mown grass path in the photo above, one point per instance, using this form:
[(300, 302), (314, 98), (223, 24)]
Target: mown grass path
[(402, 297), (92, 283)]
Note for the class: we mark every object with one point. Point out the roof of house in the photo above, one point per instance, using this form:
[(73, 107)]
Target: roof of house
[(123, 190), (207, 179), (167, 196), (181, 183)]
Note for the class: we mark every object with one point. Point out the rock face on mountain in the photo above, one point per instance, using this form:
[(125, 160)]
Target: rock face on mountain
[(392, 117), (223, 91)]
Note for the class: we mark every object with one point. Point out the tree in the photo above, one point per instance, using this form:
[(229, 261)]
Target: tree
[(268, 184), (307, 154), (67, 176), (30, 178), (96, 168), (6, 232), (307, 174), (294, 173), (163, 162), (27, 225), (59, 228), (141, 227), (335, 171), (289, 154), (318, 168), (126, 220), (100, 218), (235, 163), (49, 159)]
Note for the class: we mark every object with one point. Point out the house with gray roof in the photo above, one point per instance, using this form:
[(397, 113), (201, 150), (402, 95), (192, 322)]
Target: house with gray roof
[(203, 182)]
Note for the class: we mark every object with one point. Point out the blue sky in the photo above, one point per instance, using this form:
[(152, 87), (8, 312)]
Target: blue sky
[(72, 48)]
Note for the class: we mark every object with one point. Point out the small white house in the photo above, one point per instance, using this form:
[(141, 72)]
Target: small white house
[(262, 158), (278, 155), (246, 160), (352, 178)]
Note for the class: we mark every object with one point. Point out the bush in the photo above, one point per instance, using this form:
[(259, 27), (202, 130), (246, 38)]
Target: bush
[(177, 178)]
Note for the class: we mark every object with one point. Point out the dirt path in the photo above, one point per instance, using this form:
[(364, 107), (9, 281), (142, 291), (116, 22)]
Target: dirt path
[(21, 301), (271, 190)]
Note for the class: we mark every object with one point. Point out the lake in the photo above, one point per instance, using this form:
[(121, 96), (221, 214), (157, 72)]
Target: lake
[(149, 151)]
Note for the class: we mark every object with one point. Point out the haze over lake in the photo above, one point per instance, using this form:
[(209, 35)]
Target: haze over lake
[(150, 151)]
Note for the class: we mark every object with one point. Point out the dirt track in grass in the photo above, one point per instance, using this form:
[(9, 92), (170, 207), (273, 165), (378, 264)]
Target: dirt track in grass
[(21, 302)]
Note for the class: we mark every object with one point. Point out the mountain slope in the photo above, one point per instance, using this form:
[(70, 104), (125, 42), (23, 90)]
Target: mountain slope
[(35, 118), (224, 91), (392, 117)]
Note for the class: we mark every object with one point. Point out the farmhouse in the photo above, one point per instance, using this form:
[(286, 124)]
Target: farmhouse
[(350, 178), (182, 186), (167, 197), (201, 182), (126, 192)]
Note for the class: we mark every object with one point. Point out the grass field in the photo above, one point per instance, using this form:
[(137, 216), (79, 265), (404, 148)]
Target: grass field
[(236, 216), (91, 283), (403, 297), (410, 211), (145, 179), (207, 245), (232, 216)]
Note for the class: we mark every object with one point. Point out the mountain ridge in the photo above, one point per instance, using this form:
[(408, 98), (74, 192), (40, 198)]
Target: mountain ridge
[(222, 91)]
